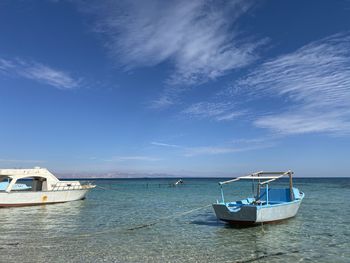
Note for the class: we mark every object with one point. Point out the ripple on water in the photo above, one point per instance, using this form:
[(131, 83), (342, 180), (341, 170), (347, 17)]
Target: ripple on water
[(96, 229)]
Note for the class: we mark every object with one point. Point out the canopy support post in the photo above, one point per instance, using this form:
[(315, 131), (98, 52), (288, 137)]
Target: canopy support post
[(222, 194), (267, 194), (291, 187)]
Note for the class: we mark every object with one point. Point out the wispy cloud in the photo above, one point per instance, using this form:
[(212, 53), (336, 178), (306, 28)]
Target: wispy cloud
[(312, 84), (242, 145), (298, 122), (200, 39), (211, 150), (38, 72), (20, 161), (166, 145), (219, 111), (132, 158), (164, 101), (230, 147)]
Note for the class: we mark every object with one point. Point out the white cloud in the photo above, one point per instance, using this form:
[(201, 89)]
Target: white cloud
[(231, 147), (6, 65), (162, 102), (210, 150), (38, 72), (312, 85), (132, 158), (166, 145), (20, 161), (242, 146), (200, 38), (219, 111), (303, 122)]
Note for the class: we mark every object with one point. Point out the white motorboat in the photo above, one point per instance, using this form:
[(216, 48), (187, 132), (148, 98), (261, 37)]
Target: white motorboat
[(45, 188)]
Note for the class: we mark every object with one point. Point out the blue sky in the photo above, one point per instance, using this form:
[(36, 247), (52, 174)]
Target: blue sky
[(198, 88)]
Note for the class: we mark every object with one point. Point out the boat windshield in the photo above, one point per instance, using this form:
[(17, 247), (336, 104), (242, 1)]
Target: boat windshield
[(4, 182), (26, 184), (33, 184)]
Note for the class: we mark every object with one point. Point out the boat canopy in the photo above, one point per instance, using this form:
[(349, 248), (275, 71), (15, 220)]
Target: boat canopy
[(271, 176), (41, 174), (268, 176)]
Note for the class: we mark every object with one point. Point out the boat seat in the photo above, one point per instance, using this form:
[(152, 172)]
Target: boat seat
[(276, 195)]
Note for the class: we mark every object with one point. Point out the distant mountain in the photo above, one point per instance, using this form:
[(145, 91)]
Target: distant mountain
[(106, 175)]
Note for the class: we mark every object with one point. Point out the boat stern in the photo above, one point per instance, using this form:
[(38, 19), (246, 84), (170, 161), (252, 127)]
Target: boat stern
[(235, 214)]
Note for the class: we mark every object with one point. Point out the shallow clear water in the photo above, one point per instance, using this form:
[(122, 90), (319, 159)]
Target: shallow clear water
[(105, 226)]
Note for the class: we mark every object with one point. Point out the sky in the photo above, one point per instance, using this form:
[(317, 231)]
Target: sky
[(189, 88)]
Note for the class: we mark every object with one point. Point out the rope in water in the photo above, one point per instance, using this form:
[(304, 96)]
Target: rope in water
[(103, 188), (168, 217), (159, 220), (162, 218), (145, 185)]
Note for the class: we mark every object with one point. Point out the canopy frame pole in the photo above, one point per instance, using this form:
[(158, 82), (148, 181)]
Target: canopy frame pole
[(291, 187), (222, 194), (277, 177), (267, 194)]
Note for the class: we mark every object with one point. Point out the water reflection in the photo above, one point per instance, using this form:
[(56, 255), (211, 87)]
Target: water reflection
[(40, 220)]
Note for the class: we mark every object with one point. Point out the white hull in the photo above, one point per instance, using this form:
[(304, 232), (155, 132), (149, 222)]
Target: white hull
[(277, 213), (252, 214), (38, 198)]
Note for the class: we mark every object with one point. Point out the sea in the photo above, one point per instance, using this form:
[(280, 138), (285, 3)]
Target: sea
[(150, 220)]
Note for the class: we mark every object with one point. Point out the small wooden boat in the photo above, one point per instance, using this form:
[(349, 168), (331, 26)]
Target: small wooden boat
[(268, 205), (45, 188)]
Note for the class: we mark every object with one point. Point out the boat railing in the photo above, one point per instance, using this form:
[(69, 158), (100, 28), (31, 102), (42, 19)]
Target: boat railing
[(60, 186)]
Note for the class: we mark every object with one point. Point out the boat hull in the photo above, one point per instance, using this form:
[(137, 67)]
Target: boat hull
[(15, 199), (254, 214)]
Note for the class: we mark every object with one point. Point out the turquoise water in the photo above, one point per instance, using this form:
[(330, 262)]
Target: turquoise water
[(106, 226)]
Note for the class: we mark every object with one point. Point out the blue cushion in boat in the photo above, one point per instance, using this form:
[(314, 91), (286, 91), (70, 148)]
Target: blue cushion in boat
[(296, 192)]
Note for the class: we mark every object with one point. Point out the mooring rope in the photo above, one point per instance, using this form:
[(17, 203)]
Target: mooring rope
[(162, 218), (168, 217), (146, 185), (84, 235), (176, 215), (103, 188)]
